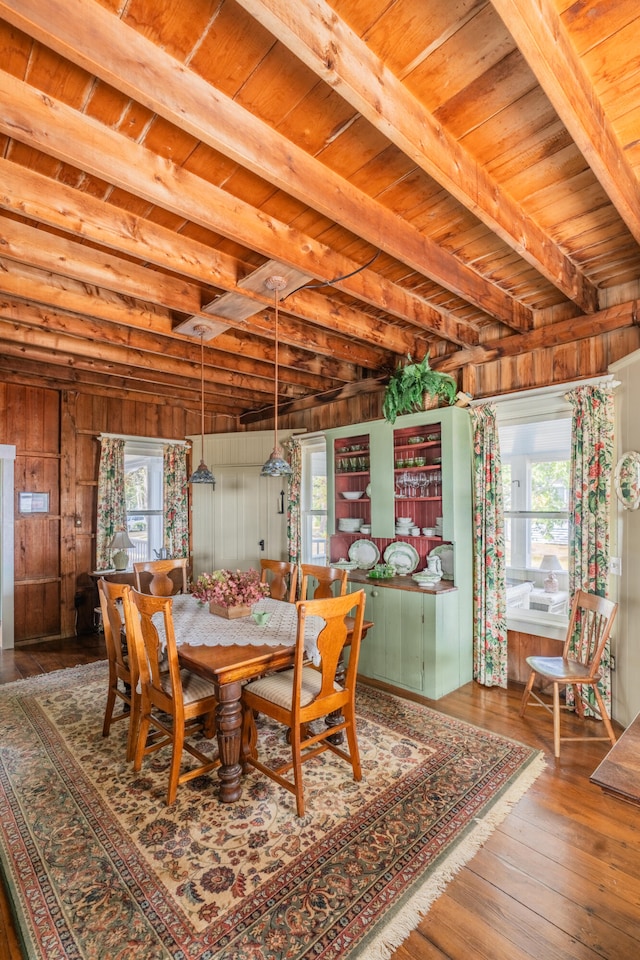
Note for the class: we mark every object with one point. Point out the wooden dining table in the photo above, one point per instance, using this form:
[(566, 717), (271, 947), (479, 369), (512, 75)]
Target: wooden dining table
[(230, 652)]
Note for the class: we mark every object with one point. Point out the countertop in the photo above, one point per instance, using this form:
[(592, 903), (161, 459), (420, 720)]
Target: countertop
[(401, 583)]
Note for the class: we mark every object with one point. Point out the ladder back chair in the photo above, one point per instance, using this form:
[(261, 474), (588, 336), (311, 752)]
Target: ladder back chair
[(579, 665), (282, 578), (185, 698), (161, 578), (121, 666), (297, 696)]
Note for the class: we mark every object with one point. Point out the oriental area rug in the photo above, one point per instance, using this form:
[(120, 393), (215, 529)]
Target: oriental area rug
[(98, 867)]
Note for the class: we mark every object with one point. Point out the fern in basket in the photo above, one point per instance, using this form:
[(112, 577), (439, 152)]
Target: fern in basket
[(405, 392)]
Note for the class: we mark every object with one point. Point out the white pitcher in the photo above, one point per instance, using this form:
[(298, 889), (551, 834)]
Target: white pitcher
[(434, 565)]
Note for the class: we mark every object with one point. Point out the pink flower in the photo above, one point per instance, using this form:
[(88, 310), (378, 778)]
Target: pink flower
[(229, 589)]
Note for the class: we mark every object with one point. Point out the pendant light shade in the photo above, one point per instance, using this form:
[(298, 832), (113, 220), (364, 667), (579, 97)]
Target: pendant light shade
[(202, 474), (276, 465)]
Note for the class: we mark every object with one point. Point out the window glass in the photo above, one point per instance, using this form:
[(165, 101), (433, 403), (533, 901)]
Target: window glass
[(143, 495), (536, 461), (313, 506)]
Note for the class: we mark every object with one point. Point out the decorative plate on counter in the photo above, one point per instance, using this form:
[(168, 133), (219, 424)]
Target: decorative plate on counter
[(445, 552), (403, 556), (365, 553)]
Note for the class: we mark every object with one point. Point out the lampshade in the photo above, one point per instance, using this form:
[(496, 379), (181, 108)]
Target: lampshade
[(550, 562), (119, 546), (202, 474), (276, 465), (121, 541)]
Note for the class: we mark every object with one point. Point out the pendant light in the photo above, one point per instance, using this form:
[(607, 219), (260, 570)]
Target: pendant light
[(276, 465), (202, 474)]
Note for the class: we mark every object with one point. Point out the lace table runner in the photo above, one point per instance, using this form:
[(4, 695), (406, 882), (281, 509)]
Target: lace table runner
[(194, 624)]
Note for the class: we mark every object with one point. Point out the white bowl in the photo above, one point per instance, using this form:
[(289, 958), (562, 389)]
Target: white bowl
[(352, 494), (429, 531), (404, 521), (365, 529)]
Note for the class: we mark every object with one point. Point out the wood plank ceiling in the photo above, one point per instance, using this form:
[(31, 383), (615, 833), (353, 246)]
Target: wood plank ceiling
[(459, 176)]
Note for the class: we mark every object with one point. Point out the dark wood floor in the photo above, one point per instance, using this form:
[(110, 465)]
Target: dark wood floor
[(560, 877)]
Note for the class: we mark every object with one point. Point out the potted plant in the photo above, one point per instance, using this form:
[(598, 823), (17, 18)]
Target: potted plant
[(413, 383), (230, 594)]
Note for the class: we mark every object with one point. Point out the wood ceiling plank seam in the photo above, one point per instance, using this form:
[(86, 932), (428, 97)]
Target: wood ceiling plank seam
[(332, 50), (542, 38), (162, 76)]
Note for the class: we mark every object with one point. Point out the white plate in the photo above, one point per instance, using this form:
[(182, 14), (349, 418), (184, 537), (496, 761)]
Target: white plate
[(445, 552), (403, 556), (365, 553)]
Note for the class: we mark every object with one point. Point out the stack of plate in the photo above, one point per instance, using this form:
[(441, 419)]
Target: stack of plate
[(349, 524), (403, 526)]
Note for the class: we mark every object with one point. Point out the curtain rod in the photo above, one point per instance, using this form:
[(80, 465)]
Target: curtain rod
[(139, 439), (555, 389)]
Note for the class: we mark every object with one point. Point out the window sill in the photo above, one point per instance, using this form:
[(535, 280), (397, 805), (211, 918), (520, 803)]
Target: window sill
[(538, 624)]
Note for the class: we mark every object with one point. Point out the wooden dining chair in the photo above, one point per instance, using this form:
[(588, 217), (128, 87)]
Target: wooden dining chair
[(123, 679), (579, 665), (307, 692), (155, 576), (326, 577), (282, 578), (175, 703)]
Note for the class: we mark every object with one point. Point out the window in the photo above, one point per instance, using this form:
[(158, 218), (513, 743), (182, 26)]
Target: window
[(536, 464), (143, 485), (313, 502)]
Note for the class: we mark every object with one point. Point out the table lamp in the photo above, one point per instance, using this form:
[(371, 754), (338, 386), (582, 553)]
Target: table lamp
[(550, 563), (119, 546)]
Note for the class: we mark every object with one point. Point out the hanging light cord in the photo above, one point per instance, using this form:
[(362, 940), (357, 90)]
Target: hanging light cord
[(275, 420), (329, 283), (202, 392)]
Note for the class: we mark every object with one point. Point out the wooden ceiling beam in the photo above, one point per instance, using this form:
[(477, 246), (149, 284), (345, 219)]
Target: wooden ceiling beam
[(179, 350), (28, 193), (321, 39), (47, 372), (248, 389), (562, 331), (542, 39), (134, 65), (57, 291)]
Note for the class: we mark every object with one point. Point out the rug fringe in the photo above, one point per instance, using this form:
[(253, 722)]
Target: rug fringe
[(409, 916)]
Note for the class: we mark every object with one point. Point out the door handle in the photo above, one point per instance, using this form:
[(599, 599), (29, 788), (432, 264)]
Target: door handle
[(261, 544)]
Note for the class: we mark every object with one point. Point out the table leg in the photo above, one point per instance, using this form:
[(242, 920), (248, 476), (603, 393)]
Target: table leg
[(229, 733)]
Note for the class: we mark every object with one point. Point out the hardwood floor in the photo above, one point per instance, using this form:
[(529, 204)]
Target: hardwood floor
[(560, 877)]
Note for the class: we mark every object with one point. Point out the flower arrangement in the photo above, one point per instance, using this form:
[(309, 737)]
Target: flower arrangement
[(228, 589)]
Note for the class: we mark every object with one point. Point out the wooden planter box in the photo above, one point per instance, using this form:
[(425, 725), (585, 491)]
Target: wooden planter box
[(230, 613)]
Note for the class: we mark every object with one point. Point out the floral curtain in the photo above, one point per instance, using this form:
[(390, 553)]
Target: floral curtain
[(175, 501), (589, 506), (489, 587), (111, 510), (294, 531)]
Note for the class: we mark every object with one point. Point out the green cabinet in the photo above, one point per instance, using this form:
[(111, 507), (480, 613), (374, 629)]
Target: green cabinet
[(422, 640)]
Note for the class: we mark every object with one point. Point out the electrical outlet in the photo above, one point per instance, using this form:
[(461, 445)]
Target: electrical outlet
[(615, 566)]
